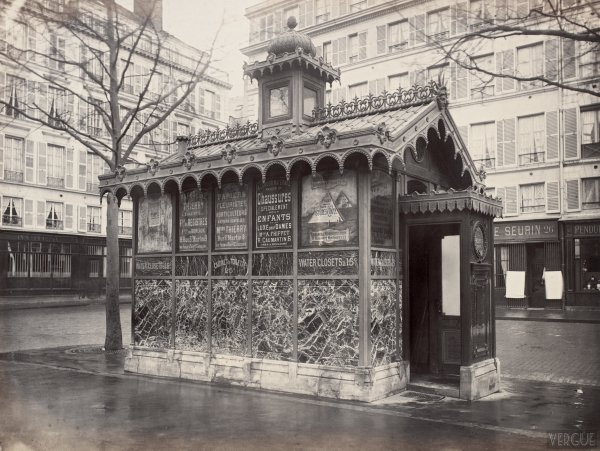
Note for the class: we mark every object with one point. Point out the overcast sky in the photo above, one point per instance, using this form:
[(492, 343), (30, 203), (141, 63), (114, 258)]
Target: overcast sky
[(196, 22)]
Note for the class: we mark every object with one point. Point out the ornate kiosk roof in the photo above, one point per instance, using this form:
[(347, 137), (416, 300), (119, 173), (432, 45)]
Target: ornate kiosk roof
[(409, 128), (392, 125)]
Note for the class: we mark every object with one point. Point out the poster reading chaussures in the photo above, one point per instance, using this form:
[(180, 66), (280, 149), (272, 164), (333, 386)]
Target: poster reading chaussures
[(329, 209)]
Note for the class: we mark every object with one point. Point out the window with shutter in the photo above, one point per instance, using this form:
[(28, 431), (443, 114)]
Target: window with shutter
[(82, 173), (569, 59), (552, 197), (342, 50), (69, 167), (42, 164), (29, 213), (511, 207), (29, 161), (572, 193), (508, 68), (551, 58), (381, 39), (362, 45), (569, 133), (552, 135), (81, 223), (458, 79), (68, 216), (41, 214), (505, 150), (1, 156)]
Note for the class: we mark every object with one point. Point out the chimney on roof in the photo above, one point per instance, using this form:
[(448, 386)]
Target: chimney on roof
[(152, 9)]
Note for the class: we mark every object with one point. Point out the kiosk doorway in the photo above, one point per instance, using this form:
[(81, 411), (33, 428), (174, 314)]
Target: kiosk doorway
[(434, 299)]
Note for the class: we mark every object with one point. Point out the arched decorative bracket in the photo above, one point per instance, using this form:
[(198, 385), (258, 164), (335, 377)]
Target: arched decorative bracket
[(152, 166), (361, 151), (296, 160), (326, 136), (325, 155), (188, 160), (275, 163), (386, 155), (229, 153)]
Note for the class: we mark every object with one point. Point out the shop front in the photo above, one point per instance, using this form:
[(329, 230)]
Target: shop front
[(279, 255), (532, 247), (582, 244)]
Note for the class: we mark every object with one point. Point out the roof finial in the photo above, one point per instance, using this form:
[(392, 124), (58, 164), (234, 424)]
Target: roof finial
[(292, 22)]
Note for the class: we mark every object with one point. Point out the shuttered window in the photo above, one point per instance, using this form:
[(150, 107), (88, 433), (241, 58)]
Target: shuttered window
[(569, 133), (552, 197), (552, 135), (505, 149), (572, 194)]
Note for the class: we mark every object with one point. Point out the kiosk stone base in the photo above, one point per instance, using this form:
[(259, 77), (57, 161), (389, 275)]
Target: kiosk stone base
[(357, 384), (480, 379)]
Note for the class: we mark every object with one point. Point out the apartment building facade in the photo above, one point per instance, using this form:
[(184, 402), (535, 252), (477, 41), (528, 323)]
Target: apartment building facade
[(539, 144), (53, 224)]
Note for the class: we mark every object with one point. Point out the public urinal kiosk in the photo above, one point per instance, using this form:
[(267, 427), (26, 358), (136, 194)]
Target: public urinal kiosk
[(338, 251)]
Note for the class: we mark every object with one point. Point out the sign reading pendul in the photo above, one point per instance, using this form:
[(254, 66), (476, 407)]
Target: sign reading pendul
[(274, 214)]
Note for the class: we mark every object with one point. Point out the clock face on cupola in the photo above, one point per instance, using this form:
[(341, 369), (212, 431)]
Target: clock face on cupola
[(291, 82)]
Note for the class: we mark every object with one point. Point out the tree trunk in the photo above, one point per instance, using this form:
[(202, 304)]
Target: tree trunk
[(114, 339)]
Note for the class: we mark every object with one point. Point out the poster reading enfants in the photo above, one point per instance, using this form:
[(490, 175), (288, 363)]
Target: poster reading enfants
[(155, 225), (329, 213), (274, 214)]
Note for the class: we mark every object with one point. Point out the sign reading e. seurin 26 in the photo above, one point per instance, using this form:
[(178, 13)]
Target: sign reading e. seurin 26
[(525, 231)]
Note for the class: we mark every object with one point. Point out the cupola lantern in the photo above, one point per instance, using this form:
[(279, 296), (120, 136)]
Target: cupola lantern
[(291, 83)]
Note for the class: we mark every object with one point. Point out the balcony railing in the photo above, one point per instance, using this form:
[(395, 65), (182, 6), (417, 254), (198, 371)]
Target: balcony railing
[(54, 224), (533, 208), (532, 158), (590, 150), (56, 182), (124, 230), (13, 176), (12, 220), (93, 227), (590, 205), (487, 163)]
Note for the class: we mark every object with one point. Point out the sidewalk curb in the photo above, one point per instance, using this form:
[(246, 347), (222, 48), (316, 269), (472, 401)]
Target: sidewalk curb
[(549, 320), (20, 305)]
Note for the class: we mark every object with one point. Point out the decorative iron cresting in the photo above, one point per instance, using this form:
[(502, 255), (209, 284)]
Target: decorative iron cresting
[(248, 130), (399, 98)]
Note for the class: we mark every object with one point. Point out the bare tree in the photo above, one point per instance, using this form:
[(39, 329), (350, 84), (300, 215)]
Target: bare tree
[(571, 30), (106, 45)]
